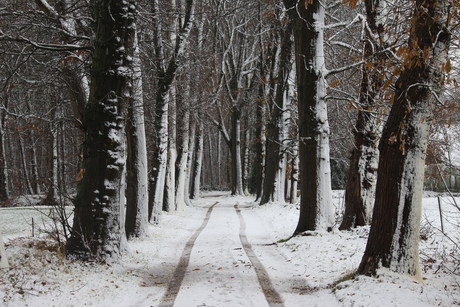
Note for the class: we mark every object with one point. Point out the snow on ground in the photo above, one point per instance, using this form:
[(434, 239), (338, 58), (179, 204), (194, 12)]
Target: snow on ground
[(311, 270)]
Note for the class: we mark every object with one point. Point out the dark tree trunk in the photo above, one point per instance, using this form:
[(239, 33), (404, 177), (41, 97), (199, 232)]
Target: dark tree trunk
[(394, 236), (273, 153), (259, 146), (97, 232), (360, 188), (314, 175), (198, 161)]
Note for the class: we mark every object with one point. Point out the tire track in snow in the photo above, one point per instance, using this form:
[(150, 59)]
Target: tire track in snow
[(174, 286), (271, 294)]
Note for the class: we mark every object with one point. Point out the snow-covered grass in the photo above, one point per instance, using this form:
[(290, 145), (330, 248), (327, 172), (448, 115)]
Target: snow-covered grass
[(41, 276)]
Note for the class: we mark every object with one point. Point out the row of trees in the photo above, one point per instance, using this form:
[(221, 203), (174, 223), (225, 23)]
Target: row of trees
[(168, 96)]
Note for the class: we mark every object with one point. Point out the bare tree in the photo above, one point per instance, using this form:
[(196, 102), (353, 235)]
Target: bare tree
[(166, 75), (97, 230), (315, 184), (394, 236), (275, 165)]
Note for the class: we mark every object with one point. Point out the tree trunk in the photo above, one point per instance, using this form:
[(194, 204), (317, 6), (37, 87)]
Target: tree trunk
[(169, 202), (190, 165), (246, 164), (360, 187), (169, 197), (4, 192), (136, 163), (3, 258), (272, 179), (158, 173), (195, 190), (165, 79), (260, 153), (237, 176), (52, 181), (35, 180), (181, 162), (316, 211), (97, 231), (22, 153), (394, 236)]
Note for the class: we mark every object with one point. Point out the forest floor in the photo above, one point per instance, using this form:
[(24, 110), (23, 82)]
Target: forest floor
[(228, 251)]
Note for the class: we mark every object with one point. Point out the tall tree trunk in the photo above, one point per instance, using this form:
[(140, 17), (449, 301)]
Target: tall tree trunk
[(259, 147), (22, 153), (97, 231), (3, 258), (362, 174), (4, 191), (136, 162), (169, 202), (272, 179), (293, 198), (196, 178), (237, 176), (52, 181), (165, 79), (158, 173), (169, 198), (190, 165), (246, 162), (35, 180), (394, 235), (316, 211), (181, 162)]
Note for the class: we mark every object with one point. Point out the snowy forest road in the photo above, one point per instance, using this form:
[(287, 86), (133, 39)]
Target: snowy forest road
[(231, 261)]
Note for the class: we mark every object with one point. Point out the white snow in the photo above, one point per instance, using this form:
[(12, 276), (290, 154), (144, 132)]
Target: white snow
[(305, 270)]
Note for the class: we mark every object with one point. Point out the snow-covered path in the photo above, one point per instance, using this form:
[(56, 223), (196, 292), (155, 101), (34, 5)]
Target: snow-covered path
[(221, 252), (224, 263)]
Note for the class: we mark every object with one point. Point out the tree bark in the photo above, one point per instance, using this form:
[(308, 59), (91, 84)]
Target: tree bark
[(259, 147), (316, 211), (4, 191), (235, 149), (165, 79), (394, 236), (136, 163), (182, 156), (3, 258), (272, 180), (97, 231), (190, 164), (196, 178), (360, 187), (169, 201)]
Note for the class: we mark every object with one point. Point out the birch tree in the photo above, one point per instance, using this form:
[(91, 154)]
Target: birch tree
[(97, 231), (316, 211), (394, 235)]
